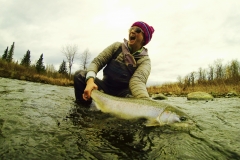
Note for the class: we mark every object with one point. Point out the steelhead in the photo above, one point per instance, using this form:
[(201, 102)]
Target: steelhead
[(156, 113)]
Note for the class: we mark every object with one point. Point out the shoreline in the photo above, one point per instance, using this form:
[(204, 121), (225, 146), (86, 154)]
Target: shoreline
[(167, 94)]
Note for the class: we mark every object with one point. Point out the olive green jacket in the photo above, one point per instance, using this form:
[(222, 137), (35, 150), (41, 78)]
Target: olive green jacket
[(139, 79)]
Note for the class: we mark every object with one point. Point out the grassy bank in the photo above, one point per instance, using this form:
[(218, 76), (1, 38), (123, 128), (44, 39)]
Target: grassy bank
[(216, 88), (218, 79), (15, 71)]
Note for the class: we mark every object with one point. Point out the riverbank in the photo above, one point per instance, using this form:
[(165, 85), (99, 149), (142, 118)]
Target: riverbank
[(15, 71), (170, 90), (218, 87), (217, 90)]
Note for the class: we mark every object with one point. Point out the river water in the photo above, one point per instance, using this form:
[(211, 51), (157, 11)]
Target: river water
[(40, 121)]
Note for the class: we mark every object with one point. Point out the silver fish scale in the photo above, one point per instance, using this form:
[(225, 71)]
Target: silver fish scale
[(128, 107)]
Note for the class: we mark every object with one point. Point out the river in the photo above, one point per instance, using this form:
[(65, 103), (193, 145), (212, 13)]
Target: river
[(40, 121)]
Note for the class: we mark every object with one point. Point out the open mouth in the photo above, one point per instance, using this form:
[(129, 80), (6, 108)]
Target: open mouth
[(132, 38)]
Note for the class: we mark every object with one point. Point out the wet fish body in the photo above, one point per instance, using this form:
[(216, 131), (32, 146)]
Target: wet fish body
[(157, 113)]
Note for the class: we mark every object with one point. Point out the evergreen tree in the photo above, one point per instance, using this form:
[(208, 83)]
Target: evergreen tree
[(63, 68), (26, 59), (10, 53), (4, 56), (39, 65)]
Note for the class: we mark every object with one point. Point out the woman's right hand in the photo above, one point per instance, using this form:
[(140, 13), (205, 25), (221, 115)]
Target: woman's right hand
[(89, 87)]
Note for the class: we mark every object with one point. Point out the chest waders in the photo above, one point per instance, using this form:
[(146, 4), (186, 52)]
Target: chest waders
[(115, 81), (118, 74)]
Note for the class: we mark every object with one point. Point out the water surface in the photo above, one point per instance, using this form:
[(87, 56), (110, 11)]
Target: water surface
[(39, 121)]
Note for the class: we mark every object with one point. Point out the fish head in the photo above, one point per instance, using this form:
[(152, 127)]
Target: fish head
[(175, 118)]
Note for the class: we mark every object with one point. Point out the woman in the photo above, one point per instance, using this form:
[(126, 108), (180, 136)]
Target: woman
[(127, 67)]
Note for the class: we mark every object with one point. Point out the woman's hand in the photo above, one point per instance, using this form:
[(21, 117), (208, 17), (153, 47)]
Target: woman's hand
[(89, 87)]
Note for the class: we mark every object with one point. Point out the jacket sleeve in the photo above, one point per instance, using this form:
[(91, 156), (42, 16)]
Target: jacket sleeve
[(103, 58), (139, 79)]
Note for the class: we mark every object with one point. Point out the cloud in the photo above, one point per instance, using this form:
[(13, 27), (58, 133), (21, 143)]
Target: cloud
[(189, 34)]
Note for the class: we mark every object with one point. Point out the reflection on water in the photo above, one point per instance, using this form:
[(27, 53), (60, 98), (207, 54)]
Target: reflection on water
[(40, 121)]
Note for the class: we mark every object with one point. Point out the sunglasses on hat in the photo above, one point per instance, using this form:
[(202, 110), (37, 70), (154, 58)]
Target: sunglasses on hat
[(136, 29)]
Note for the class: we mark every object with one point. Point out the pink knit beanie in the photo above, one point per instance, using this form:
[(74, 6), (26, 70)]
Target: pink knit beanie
[(148, 30)]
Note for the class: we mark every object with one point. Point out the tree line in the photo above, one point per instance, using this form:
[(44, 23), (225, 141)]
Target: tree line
[(215, 73), (217, 79), (70, 52)]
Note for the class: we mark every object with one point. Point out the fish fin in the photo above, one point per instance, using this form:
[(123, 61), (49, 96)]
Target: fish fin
[(150, 123)]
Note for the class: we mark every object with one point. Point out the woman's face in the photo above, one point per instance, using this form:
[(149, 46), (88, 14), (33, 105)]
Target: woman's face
[(136, 37)]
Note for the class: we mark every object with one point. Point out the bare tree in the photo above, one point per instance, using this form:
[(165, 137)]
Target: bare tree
[(50, 68), (179, 78), (219, 69), (210, 73), (70, 51), (84, 59), (201, 75), (192, 78), (186, 82), (235, 65)]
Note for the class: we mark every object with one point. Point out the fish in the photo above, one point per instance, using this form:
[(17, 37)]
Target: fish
[(156, 113)]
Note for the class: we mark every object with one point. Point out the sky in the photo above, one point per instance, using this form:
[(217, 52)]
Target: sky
[(189, 34)]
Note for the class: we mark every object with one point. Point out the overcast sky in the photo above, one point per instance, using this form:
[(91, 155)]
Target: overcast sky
[(189, 34)]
